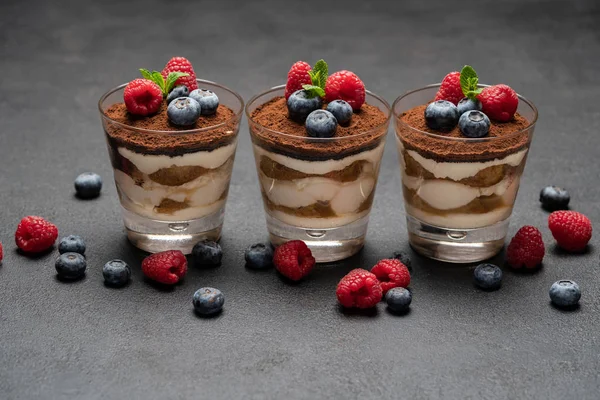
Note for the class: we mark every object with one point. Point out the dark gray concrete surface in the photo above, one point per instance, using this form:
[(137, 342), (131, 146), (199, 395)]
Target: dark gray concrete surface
[(276, 340)]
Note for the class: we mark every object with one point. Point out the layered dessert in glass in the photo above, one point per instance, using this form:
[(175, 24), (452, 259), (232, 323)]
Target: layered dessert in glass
[(318, 187), (460, 185), (172, 171)]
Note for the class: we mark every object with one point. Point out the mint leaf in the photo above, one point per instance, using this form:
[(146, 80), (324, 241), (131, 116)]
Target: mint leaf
[(323, 71), (314, 91), (468, 82), (171, 79), (159, 80), (146, 74)]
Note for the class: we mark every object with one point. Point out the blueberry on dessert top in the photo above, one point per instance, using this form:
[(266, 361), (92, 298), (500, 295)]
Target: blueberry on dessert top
[(441, 115), (300, 104), (467, 104), (474, 124), (184, 111), (321, 124), (208, 100), (341, 110), (178, 91)]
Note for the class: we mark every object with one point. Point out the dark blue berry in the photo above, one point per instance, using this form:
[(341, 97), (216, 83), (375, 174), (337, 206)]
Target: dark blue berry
[(341, 110), (441, 116), (72, 244), (259, 256), (474, 124), (554, 198), (398, 299), (208, 100), (467, 104), (116, 273), (300, 105), (208, 301), (207, 253), (321, 124), (88, 185), (183, 111), (488, 276), (404, 258), (178, 91), (565, 293), (70, 266)]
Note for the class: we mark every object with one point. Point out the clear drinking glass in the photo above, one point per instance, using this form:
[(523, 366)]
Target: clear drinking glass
[(324, 201), (172, 185), (459, 192)]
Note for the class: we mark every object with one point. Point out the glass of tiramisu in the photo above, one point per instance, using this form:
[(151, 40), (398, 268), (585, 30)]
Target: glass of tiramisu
[(172, 157), (461, 165), (318, 167)]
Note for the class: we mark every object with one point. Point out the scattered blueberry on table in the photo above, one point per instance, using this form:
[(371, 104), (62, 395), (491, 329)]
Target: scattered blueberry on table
[(207, 253), (70, 266), (72, 244), (488, 276), (259, 256), (565, 293), (116, 273), (398, 299), (88, 185), (208, 301), (554, 198)]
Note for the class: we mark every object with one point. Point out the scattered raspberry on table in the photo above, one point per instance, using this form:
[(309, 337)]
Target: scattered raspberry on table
[(391, 273), (571, 230), (35, 234), (294, 260), (526, 249), (359, 288), (167, 267)]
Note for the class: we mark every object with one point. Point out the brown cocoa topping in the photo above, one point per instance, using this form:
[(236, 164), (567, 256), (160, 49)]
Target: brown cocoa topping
[(441, 149), (365, 131), (274, 170)]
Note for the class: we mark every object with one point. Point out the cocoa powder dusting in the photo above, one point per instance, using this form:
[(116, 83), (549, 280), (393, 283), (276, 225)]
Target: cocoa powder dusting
[(442, 149), (366, 130)]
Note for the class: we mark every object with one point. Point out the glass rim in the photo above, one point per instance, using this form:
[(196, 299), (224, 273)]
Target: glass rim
[(319, 140), (463, 139), (235, 116)]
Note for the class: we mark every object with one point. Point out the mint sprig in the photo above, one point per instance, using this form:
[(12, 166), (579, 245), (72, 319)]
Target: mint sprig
[(318, 76), (165, 86), (468, 82)]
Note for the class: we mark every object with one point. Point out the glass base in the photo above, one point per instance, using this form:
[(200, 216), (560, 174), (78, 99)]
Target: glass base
[(456, 245), (155, 236), (327, 245)]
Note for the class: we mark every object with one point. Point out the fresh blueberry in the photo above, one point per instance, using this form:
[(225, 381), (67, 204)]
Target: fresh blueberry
[(259, 256), (565, 293), (72, 244), (207, 253), (488, 276), (321, 124), (467, 104), (116, 273), (70, 266), (183, 111), (404, 259), (88, 185), (208, 301), (300, 105), (398, 299), (474, 124), (554, 198), (178, 91), (208, 100), (441, 115), (341, 110)]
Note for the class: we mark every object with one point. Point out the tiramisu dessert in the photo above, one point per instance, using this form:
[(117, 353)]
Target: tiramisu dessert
[(462, 151), (318, 146), (172, 146)]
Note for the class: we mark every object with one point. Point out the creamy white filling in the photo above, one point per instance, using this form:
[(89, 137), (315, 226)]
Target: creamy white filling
[(316, 223), (186, 214), (149, 163), (460, 221), (321, 167)]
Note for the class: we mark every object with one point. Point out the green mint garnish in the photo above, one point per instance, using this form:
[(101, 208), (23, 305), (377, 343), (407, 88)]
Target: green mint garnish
[(468, 82), (157, 78), (318, 76)]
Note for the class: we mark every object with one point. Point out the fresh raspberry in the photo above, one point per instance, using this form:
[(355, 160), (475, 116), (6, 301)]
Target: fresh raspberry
[(499, 102), (167, 267), (345, 85), (526, 249), (142, 97), (572, 230), (181, 64), (293, 260), (297, 77), (35, 234), (391, 273), (450, 89), (359, 288)]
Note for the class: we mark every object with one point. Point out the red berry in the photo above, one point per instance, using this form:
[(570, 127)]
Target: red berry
[(391, 273), (345, 85), (181, 64), (499, 102), (167, 267), (572, 230), (293, 260), (450, 89), (359, 288), (142, 97), (35, 234), (1, 253), (297, 77), (526, 249)]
